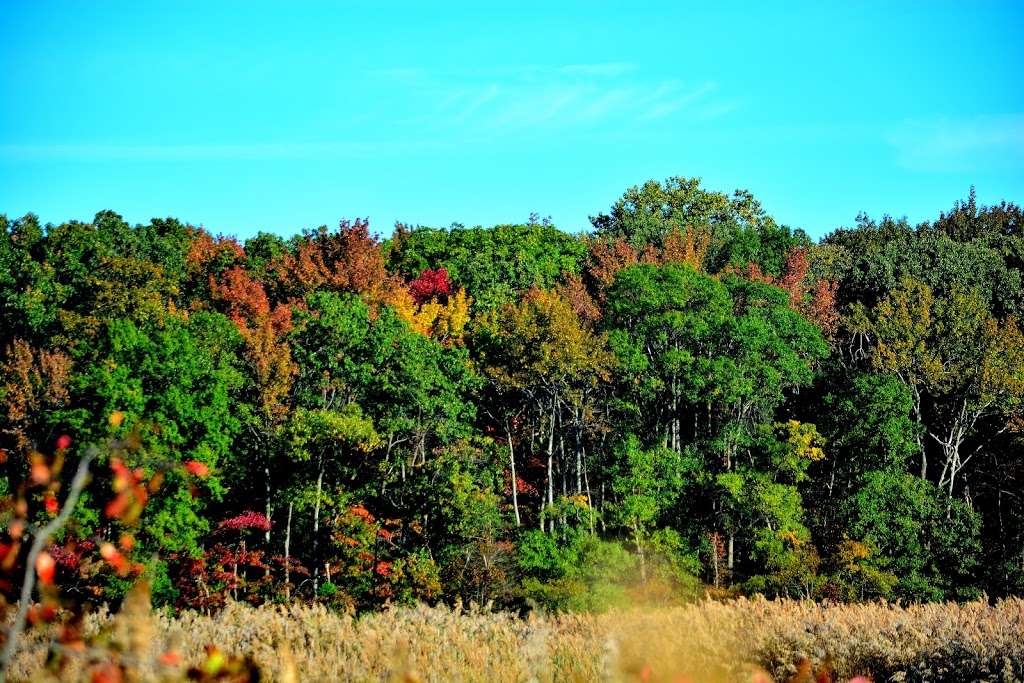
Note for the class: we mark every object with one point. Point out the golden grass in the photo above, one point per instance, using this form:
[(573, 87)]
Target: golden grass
[(705, 641)]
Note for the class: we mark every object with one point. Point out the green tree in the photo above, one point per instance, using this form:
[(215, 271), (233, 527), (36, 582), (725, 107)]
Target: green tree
[(665, 327), (924, 538), (175, 387), (741, 232), (721, 353), (494, 265), (646, 483)]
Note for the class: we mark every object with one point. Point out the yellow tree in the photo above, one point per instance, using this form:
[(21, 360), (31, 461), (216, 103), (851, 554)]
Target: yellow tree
[(981, 376), (444, 320), (538, 351), (901, 324), (963, 363)]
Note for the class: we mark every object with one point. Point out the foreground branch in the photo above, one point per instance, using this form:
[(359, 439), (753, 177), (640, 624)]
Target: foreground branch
[(42, 537)]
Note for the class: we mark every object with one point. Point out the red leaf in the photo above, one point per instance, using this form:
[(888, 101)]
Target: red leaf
[(430, 284), (45, 568), (197, 468)]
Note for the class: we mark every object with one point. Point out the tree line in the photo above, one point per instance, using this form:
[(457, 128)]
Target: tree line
[(688, 398)]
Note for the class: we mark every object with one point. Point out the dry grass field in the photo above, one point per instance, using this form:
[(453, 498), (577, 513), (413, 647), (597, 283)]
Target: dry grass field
[(741, 640)]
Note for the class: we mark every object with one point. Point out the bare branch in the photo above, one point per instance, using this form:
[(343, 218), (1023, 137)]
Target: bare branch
[(42, 537)]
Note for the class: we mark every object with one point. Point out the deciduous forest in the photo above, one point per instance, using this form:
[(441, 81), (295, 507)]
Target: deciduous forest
[(688, 398)]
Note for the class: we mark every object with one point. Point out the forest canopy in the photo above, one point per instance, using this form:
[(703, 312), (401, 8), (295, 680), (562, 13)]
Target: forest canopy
[(689, 397)]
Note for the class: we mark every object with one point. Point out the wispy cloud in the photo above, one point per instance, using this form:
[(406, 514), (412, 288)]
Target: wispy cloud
[(470, 102), (445, 108), (671, 97), (198, 152), (606, 69), (957, 145), (554, 97), (716, 110)]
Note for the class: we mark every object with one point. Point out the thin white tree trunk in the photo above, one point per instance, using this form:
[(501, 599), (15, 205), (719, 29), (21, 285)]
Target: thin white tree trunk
[(515, 480), (316, 526), (287, 555)]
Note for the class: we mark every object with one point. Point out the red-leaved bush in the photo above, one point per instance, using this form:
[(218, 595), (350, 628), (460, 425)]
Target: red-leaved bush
[(431, 284), (247, 520)]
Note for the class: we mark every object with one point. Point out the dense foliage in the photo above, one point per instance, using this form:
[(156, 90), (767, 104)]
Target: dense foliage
[(690, 395)]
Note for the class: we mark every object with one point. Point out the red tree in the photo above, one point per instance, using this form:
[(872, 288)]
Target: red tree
[(431, 284)]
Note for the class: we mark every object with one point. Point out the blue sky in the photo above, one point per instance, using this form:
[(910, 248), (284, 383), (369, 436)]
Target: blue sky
[(247, 116)]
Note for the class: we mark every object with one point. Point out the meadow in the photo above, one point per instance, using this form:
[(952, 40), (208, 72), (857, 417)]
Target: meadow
[(738, 640)]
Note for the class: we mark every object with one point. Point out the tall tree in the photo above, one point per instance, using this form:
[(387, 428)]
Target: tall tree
[(540, 352), (962, 366)]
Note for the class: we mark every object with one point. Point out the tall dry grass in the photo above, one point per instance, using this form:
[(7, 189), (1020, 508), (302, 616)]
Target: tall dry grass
[(705, 641)]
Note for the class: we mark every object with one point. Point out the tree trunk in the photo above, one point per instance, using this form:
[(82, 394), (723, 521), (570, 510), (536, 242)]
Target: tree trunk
[(551, 461), (287, 555), (674, 420), (579, 455), (316, 527), (269, 491), (586, 482), (640, 552), (919, 437), (515, 481)]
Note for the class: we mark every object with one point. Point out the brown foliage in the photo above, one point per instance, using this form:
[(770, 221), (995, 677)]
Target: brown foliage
[(813, 298), (205, 249), (246, 303), (822, 308), (686, 247), (244, 298), (608, 257), (34, 382), (575, 292), (347, 260)]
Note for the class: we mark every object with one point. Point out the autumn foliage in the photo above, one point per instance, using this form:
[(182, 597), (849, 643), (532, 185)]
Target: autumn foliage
[(691, 399), (813, 297)]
